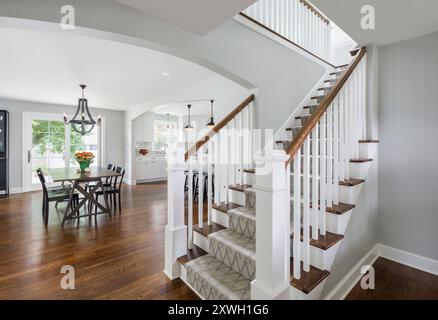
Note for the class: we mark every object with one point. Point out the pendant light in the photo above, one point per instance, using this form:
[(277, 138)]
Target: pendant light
[(85, 124), (189, 126), (168, 120), (211, 123)]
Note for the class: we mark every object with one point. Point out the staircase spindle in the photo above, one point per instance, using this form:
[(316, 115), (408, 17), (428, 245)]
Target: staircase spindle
[(336, 151), (297, 216), (306, 207), (217, 171), (200, 159), (323, 175), (329, 156), (209, 181), (315, 182), (190, 206)]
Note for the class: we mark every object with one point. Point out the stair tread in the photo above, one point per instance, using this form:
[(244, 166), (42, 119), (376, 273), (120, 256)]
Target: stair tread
[(323, 242), (310, 106), (214, 280), (192, 254), (331, 80), (369, 141), (309, 280), (336, 72), (225, 207), (206, 229), (361, 160), (249, 171), (240, 187), (318, 97), (303, 116), (338, 209), (341, 208), (351, 182)]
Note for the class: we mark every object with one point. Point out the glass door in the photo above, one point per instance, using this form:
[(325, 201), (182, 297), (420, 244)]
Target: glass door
[(48, 143)]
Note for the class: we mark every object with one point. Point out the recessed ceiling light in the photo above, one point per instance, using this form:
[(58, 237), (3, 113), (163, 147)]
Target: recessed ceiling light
[(165, 74)]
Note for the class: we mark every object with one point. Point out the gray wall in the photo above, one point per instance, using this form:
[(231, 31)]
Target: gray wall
[(408, 121), (114, 135)]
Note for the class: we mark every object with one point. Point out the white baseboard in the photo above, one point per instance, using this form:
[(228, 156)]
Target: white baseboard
[(343, 288), (130, 182), (409, 259)]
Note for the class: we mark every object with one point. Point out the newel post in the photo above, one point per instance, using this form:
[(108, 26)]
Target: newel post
[(175, 230), (272, 229)]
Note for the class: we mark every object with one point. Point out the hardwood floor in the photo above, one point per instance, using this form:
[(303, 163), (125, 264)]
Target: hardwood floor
[(118, 258), (395, 281)]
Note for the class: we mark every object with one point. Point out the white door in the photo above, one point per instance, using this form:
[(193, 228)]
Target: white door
[(49, 143)]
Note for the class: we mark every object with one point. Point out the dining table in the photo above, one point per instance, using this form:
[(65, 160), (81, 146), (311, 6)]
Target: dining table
[(87, 183)]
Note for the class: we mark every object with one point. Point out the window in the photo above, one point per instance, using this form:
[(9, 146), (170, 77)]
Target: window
[(165, 133)]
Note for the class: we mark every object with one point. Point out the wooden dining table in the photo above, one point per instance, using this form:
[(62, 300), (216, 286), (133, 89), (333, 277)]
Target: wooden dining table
[(87, 184)]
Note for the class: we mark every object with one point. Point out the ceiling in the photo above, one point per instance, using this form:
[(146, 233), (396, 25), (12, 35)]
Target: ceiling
[(201, 107), (199, 16), (48, 68), (396, 20)]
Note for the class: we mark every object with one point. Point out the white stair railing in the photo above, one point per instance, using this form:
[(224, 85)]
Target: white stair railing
[(296, 20), (332, 134), (216, 161)]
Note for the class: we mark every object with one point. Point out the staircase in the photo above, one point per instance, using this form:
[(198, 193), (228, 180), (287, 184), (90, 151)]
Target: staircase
[(279, 211)]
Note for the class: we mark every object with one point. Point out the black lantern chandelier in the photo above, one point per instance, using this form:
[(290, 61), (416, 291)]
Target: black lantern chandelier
[(211, 123), (82, 121), (189, 126)]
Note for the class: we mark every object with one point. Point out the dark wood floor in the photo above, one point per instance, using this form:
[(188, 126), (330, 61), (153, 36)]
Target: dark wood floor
[(394, 281), (123, 257), (118, 258)]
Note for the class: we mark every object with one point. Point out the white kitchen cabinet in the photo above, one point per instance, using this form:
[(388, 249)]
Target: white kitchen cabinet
[(153, 167)]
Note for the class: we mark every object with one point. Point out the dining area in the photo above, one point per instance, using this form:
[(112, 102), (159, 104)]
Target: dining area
[(85, 193)]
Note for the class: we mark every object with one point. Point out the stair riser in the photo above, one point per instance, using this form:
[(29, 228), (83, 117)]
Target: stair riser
[(319, 258), (221, 218), (201, 241), (360, 170), (249, 178), (337, 223), (243, 223), (237, 197), (368, 150), (350, 194)]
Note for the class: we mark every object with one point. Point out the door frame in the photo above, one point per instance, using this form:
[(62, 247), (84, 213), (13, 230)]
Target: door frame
[(26, 142)]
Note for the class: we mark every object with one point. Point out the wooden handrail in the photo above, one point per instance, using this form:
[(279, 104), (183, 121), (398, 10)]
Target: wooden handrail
[(286, 39), (322, 108), (218, 127), (315, 11)]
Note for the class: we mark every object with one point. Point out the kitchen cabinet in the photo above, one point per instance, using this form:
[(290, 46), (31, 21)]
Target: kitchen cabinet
[(152, 167)]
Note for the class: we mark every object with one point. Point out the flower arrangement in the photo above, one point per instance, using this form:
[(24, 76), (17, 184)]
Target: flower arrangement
[(84, 159)]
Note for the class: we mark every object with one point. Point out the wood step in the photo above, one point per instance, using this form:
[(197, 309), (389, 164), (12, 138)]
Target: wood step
[(341, 208), (351, 182), (225, 207), (318, 97), (311, 106), (192, 254), (338, 209), (308, 280), (240, 187), (206, 229), (369, 141), (360, 160), (336, 73), (324, 89), (303, 116), (331, 80), (323, 242), (252, 171)]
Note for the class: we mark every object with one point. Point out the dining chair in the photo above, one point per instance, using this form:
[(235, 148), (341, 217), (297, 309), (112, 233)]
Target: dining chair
[(115, 190), (54, 194)]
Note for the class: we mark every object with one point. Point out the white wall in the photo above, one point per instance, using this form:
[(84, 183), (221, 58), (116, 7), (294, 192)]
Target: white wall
[(114, 134), (408, 113)]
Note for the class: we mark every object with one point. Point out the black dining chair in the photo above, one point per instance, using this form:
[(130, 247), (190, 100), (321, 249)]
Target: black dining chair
[(54, 194), (115, 190)]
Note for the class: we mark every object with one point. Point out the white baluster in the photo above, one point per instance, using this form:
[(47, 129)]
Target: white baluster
[(240, 148), (336, 150), (364, 96), (323, 175), (342, 135), (201, 187), (210, 180), (217, 175), (347, 150), (306, 207), (190, 205), (297, 216), (225, 164), (330, 156), (315, 182)]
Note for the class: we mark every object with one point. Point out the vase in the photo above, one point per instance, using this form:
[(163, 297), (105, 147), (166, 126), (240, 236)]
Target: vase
[(84, 166)]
